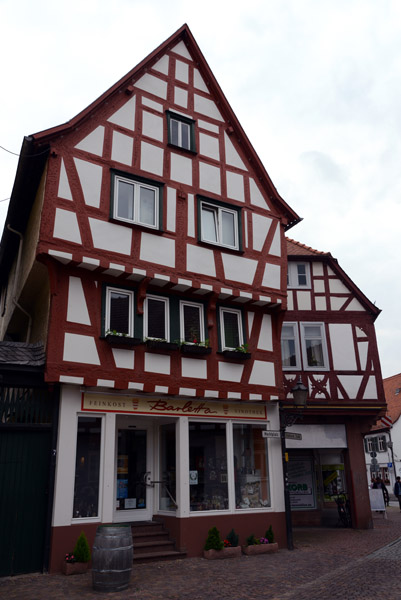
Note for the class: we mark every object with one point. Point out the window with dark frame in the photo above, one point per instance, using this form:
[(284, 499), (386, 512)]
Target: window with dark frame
[(219, 224), (119, 311), (156, 318), (192, 323), (136, 200), (181, 131), (231, 328)]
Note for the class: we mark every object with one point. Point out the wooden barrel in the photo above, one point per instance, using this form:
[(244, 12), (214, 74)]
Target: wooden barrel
[(112, 556)]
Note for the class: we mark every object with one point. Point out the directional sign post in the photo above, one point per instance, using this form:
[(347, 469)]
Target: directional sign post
[(293, 436), (277, 435)]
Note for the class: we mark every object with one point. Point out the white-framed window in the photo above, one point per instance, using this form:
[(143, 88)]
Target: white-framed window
[(371, 444), (156, 318), (136, 201), (192, 329), (298, 275), (232, 335), (119, 311), (290, 352), (181, 131), (219, 225), (382, 443), (314, 348)]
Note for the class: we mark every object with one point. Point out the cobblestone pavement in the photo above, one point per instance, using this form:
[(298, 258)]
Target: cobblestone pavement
[(327, 564)]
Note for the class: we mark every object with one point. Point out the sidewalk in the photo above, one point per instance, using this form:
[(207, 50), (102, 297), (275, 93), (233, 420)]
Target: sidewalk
[(327, 564)]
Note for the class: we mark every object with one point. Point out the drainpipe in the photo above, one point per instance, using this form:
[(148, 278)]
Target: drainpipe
[(17, 269)]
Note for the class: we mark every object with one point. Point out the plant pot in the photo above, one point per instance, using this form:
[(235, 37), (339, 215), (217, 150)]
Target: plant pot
[(237, 355), (77, 568), (122, 340), (160, 345), (194, 349), (259, 549), (232, 552)]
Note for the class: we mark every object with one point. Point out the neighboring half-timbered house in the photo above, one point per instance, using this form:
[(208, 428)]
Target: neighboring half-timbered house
[(145, 246), (328, 338)]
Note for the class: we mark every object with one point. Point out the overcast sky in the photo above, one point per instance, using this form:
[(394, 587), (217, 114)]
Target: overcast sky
[(316, 85)]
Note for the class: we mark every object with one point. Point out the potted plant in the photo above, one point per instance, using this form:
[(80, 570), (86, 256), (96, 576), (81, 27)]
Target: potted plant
[(160, 344), (116, 338), (239, 353), (195, 347), (215, 547), (260, 545), (76, 562)]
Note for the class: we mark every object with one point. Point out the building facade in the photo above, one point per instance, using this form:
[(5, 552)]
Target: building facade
[(145, 247)]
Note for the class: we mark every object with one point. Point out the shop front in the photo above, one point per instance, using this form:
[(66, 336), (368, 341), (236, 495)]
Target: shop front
[(191, 463)]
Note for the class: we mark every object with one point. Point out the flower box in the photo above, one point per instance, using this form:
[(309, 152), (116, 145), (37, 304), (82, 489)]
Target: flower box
[(161, 345), (259, 549), (231, 552), (194, 349), (122, 340), (74, 568), (236, 354)]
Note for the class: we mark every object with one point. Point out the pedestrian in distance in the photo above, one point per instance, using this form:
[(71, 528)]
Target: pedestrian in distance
[(397, 490), (379, 485)]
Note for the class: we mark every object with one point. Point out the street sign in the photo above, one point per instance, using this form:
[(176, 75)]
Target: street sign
[(387, 421), (293, 436), (373, 454), (374, 461), (271, 434), (389, 465)]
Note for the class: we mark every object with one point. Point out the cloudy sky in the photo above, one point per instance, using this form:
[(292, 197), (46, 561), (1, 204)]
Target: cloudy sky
[(316, 84)]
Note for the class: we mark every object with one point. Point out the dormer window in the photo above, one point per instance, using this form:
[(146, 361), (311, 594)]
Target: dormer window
[(136, 200), (181, 131), (298, 275)]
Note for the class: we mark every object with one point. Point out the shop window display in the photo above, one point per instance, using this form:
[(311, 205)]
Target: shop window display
[(250, 467), (208, 466), (87, 468)]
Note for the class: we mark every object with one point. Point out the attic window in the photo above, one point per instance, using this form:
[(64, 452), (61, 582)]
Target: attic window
[(181, 131), (298, 275)]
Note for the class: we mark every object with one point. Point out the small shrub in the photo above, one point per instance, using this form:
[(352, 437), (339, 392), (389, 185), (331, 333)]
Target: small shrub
[(270, 535), (82, 551), (233, 538), (214, 541), (252, 540)]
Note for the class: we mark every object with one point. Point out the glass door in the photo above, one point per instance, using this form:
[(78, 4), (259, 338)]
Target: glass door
[(134, 495)]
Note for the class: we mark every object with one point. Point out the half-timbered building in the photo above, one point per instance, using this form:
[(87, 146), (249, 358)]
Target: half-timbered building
[(145, 246)]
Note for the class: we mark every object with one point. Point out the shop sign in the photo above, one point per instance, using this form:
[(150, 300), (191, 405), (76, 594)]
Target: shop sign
[(167, 406)]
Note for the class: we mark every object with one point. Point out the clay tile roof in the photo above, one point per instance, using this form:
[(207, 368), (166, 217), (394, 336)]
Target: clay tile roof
[(18, 353), (295, 248)]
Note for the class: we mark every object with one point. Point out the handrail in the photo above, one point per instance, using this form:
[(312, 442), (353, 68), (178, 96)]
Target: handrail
[(161, 482)]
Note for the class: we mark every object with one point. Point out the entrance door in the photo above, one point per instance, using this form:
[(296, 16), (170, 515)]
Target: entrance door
[(134, 495)]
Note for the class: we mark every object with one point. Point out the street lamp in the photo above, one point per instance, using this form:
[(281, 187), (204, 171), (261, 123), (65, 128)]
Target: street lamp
[(300, 395)]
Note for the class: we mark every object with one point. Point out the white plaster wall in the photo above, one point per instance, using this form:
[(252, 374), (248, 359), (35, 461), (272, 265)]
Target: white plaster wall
[(318, 286), (122, 148), (371, 389), (77, 310), (191, 215), (230, 372), (90, 177), (265, 341), (157, 249), (151, 158), (154, 85), (180, 97), (342, 346), (355, 305), (262, 373), (64, 190), (232, 156), (363, 353), (235, 186), (110, 236), (208, 126), (81, 349), (304, 300), (200, 260), (157, 363), (318, 436), (66, 226), (209, 146), (261, 226), (152, 104), (206, 107), (199, 84), (93, 142), (125, 116), (256, 196), (271, 276), (275, 248), (337, 287), (162, 65), (238, 268), (152, 125), (181, 71), (320, 303), (181, 168), (209, 178), (171, 208), (193, 367), (124, 359), (317, 269), (181, 48), (337, 303), (351, 384)]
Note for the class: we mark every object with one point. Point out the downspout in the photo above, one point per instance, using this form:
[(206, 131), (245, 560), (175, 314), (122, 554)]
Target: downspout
[(16, 276)]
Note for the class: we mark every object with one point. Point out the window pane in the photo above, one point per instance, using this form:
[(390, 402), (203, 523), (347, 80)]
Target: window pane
[(208, 466), (209, 229), (251, 475), (192, 328), (174, 131), (288, 354), (231, 330), (314, 353), (87, 468), (185, 133), (147, 206), (119, 312), (167, 490), (131, 467), (228, 228), (125, 201), (156, 314), (301, 270)]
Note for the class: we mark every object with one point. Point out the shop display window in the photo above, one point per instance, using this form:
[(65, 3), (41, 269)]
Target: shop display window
[(167, 487), (87, 468), (131, 469), (251, 474), (208, 466)]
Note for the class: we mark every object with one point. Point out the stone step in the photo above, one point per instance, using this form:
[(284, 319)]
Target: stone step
[(156, 556), (153, 547)]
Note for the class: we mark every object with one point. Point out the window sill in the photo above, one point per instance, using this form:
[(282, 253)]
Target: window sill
[(236, 355), (194, 349), (161, 345), (122, 340), (181, 149), (215, 246)]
